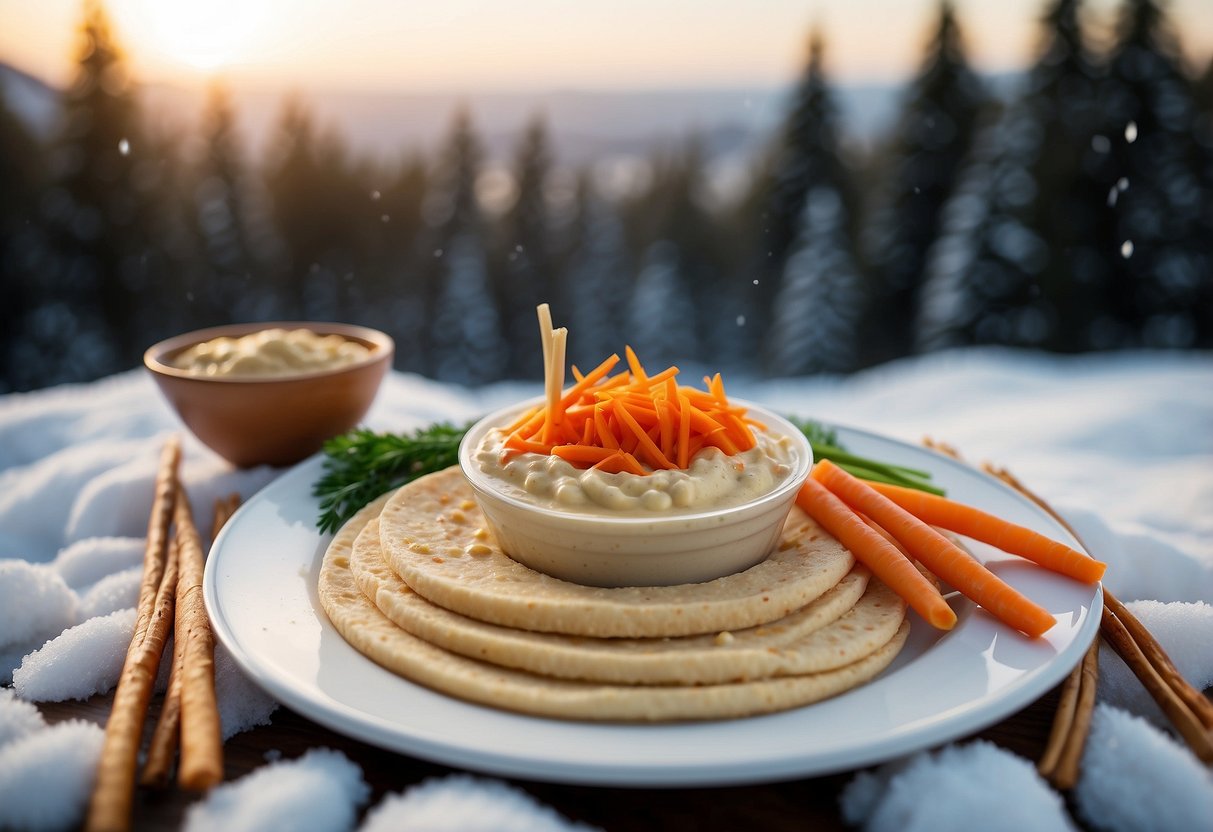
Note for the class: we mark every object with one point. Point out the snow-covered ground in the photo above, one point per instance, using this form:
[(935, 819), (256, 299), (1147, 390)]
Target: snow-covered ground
[(1122, 444)]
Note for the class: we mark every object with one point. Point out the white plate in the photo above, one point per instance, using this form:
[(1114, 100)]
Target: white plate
[(260, 589)]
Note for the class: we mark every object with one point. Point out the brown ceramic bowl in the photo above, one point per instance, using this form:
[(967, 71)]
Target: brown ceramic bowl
[(271, 421)]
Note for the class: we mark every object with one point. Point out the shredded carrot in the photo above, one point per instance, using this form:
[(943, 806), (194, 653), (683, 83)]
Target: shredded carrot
[(632, 421), (937, 553)]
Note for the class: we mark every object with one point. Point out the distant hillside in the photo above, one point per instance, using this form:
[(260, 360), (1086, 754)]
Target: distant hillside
[(585, 125)]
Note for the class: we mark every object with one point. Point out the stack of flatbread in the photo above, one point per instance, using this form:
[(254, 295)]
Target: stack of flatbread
[(416, 582)]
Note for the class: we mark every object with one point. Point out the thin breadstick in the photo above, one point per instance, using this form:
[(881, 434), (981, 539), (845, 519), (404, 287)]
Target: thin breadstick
[(201, 764), (1180, 715), (113, 790), (1065, 775), (163, 747), (1201, 707), (165, 738), (1063, 722)]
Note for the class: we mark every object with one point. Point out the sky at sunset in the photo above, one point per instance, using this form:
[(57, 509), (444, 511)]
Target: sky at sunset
[(457, 45)]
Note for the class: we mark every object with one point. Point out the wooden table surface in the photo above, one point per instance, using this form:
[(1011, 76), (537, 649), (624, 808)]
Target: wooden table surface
[(798, 804)]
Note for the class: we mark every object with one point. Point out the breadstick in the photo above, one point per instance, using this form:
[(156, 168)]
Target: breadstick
[(1063, 723), (1065, 774), (1201, 707), (163, 747), (113, 791), (201, 744), (1177, 711), (164, 743)]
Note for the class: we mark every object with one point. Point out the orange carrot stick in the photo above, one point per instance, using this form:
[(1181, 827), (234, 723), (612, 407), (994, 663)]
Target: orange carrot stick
[(621, 463), (587, 454), (684, 432), (588, 380), (635, 366), (1001, 534), (651, 450), (937, 553), (876, 553)]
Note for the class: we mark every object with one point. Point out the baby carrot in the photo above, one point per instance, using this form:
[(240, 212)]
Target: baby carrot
[(999, 533), (876, 553), (937, 553)]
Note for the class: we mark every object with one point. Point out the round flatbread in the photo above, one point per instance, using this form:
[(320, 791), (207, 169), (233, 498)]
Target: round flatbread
[(842, 626), (375, 636), (436, 539)]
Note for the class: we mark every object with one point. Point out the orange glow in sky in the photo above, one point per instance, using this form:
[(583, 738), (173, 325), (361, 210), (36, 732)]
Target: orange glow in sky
[(533, 44)]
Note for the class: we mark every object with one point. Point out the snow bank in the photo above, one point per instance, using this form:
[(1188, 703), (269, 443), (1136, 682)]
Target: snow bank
[(320, 791), (35, 603), (460, 803), (46, 776), (84, 660)]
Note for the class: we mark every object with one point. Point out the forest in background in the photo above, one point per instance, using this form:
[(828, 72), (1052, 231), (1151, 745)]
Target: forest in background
[(1076, 216)]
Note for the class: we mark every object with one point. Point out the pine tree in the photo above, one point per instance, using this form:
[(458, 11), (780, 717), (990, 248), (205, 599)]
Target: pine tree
[(23, 249), (525, 254), (934, 134), (1019, 260), (314, 190), (820, 297), (98, 209), (228, 289), (598, 282), (662, 328), (1163, 281), (807, 156), (465, 336), (392, 275)]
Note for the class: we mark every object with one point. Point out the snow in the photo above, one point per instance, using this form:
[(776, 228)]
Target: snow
[(1136, 779), (112, 593), (34, 603), (320, 791), (961, 787), (17, 718), (1119, 443), (242, 705), (1183, 630), (460, 803), (93, 558), (46, 776), (84, 660)]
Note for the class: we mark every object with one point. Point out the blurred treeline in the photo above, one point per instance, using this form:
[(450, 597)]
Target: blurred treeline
[(1077, 216)]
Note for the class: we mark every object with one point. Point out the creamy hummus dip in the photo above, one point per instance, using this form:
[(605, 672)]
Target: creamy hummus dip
[(270, 352), (713, 480)]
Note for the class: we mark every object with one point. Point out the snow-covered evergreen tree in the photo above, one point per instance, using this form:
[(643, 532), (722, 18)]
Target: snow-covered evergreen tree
[(466, 340), (662, 315), (820, 297), (1162, 286), (465, 335), (598, 281), (525, 254), (935, 131), (1019, 259), (806, 156), (99, 209), (227, 287)]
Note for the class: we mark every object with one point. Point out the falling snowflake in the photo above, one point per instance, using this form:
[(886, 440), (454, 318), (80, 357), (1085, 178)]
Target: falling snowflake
[(1131, 132), (375, 195), (1126, 249), (741, 320), (124, 147)]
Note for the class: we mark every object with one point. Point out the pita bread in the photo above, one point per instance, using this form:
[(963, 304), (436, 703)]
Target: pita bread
[(374, 635), (436, 539), (832, 631)]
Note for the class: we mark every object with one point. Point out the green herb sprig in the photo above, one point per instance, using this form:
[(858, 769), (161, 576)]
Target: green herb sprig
[(825, 444), (362, 464)]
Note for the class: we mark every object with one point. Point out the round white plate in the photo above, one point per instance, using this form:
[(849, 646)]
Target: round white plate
[(260, 589)]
